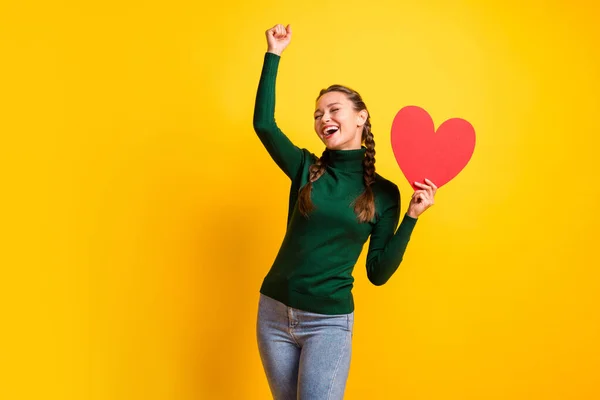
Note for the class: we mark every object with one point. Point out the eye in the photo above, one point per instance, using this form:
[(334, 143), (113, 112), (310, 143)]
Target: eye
[(334, 109), (317, 116)]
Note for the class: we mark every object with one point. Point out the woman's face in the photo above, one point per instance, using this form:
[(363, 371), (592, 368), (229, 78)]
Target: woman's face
[(337, 123)]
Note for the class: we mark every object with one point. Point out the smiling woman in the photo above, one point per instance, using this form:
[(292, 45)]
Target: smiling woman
[(342, 122), (337, 201), (341, 110)]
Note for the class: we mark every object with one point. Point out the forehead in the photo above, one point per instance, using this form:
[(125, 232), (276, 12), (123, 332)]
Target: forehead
[(330, 98)]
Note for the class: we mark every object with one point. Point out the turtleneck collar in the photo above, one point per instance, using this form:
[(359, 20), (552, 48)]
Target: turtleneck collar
[(347, 160)]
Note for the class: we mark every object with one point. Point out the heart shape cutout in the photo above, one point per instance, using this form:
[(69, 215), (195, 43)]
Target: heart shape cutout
[(422, 152)]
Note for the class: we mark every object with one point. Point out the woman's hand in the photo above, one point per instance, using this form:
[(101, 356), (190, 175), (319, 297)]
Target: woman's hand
[(278, 38), (422, 199)]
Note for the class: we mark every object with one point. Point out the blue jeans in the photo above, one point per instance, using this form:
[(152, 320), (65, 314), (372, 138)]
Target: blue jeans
[(305, 355)]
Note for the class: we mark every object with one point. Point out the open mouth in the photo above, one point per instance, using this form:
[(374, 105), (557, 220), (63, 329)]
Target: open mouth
[(329, 131)]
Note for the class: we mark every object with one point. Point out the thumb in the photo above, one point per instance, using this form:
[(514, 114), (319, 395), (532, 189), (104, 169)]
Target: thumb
[(288, 29)]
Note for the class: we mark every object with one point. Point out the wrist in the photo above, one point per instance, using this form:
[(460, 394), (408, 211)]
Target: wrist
[(274, 51)]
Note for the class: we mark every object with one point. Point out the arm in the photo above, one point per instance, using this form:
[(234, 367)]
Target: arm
[(386, 248), (285, 154)]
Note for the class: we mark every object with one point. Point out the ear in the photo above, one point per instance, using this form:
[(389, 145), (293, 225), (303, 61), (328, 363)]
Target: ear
[(361, 118)]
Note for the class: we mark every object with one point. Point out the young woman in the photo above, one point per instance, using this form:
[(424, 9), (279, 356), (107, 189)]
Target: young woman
[(336, 202)]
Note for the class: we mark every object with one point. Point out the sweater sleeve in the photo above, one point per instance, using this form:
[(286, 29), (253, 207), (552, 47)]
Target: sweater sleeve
[(386, 247), (285, 154)]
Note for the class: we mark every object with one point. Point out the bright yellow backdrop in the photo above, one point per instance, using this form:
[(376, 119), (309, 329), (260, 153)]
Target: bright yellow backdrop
[(140, 212)]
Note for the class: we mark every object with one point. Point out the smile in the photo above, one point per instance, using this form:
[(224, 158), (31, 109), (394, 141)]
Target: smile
[(328, 131)]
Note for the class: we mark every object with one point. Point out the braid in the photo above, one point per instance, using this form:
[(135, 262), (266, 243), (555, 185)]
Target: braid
[(305, 205), (364, 206), (369, 161)]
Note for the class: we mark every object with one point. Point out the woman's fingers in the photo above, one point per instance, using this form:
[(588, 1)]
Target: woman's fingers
[(418, 195), (432, 185), (424, 187), (281, 32), (278, 38), (423, 196), (428, 186)]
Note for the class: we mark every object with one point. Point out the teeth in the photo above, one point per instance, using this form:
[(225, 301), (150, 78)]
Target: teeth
[(330, 130)]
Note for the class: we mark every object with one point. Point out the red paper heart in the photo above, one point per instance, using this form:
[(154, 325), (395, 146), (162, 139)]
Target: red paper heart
[(421, 152)]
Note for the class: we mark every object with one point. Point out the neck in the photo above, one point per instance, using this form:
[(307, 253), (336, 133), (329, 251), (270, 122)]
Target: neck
[(347, 160)]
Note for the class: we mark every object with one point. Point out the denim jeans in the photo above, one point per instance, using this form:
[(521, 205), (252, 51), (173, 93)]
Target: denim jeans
[(305, 356)]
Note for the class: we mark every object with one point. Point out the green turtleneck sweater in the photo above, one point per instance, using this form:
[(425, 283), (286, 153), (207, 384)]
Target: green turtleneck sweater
[(313, 269)]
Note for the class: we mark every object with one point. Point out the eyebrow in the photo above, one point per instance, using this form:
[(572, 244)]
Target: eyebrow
[(329, 105)]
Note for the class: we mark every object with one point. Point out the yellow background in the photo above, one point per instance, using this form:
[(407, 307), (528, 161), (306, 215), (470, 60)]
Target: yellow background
[(140, 212)]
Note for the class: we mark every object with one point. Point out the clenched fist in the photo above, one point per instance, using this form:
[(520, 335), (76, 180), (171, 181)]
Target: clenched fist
[(278, 38)]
